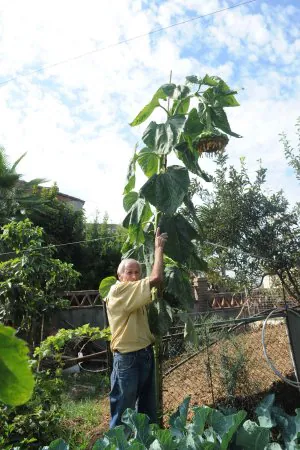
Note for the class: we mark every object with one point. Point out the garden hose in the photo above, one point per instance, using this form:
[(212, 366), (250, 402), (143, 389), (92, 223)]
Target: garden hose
[(295, 384)]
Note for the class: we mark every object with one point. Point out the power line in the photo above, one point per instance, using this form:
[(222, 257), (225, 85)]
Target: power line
[(124, 41), (58, 245)]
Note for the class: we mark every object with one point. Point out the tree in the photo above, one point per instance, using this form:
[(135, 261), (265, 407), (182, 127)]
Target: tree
[(31, 283), (101, 253), (248, 231), (292, 155), (16, 196)]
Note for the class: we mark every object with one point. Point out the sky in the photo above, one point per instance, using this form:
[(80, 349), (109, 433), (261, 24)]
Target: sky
[(72, 119)]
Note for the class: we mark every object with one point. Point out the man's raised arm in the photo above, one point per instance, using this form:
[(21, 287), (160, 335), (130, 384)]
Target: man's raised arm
[(157, 273)]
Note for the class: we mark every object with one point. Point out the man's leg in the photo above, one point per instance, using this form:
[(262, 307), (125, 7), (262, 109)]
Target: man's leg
[(124, 382), (146, 388)]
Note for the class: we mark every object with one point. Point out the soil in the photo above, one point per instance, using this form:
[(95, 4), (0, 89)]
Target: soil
[(206, 380)]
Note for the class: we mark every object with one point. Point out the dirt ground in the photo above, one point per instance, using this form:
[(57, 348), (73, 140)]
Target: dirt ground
[(202, 377)]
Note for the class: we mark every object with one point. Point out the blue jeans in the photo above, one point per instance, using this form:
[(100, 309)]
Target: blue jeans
[(133, 385)]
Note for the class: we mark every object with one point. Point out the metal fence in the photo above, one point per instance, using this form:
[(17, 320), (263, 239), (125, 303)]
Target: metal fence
[(227, 367)]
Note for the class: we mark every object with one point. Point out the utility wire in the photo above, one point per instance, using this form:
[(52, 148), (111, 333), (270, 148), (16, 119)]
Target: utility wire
[(58, 245), (124, 41)]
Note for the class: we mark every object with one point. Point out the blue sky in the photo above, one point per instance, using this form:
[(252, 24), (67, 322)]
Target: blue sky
[(72, 119)]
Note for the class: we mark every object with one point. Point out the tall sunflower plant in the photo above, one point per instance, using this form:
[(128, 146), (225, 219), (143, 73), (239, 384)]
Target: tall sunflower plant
[(195, 125)]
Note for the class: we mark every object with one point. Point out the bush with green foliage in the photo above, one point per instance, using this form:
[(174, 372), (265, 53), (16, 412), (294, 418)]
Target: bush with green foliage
[(32, 283)]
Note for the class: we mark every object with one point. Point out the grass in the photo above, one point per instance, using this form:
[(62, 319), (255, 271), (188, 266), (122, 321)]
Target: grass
[(85, 409)]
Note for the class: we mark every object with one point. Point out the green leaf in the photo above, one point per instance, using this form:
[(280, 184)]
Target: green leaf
[(139, 424), (58, 444), (211, 80), (138, 215), (289, 426), (181, 100), (168, 89), (180, 234), (189, 156), (16, 379), (226, 426), (193, 125), (201, 414), (193, 79), (220, 121), (148, 161), (105, 285), (178, 420), (130, 175), (159, 137), (252, 437), (129, 199), (264, 412), (177, 283), (226, 100), (149, 108), (160, 317), (167, 190), (163, 441), (177, 124), (116, 436)]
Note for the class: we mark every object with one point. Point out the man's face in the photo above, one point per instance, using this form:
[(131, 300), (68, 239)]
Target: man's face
[(131, 272)]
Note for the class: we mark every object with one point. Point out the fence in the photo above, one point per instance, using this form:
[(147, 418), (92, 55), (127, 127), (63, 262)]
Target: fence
[(227, 367)]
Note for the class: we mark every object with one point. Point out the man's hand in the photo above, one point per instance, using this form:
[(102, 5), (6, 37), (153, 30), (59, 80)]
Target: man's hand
[(160, 239)]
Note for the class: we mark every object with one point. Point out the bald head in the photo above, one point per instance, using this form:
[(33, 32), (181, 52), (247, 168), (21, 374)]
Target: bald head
[(129, 270)]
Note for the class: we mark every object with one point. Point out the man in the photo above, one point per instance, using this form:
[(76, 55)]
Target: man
[(132, 378)]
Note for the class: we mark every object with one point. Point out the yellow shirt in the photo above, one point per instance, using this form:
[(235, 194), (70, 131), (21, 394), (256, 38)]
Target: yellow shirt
[(128, 317)]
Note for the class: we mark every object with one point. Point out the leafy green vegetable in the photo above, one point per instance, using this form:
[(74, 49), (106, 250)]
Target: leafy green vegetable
[(16, 379)]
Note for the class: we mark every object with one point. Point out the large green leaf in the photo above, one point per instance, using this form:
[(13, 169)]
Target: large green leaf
[(160, 317), (193, 79), (139, 424), (159, 137), (130, 179), (163, 136), (148, 161), (180, 234), (163, 441), (178, 420), (289, 426), (220, 121), (16, 379), (166, 90), (189, 156), (193, 125), (177, 283), (149, 108), (181, 99), (138, 215), (105, 285), (167, 190), (226, 426), (264, 412), (252, 437), (116, 439), (201, 414), (129, 199), (211, 80)]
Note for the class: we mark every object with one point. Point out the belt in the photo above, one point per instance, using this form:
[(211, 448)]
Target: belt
[(146, 349)]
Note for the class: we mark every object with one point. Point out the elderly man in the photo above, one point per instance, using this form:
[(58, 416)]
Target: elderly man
[(132, 379)]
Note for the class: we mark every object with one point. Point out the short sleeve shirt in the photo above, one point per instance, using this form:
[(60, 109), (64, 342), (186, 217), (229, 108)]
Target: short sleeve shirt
[(127, 315)]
